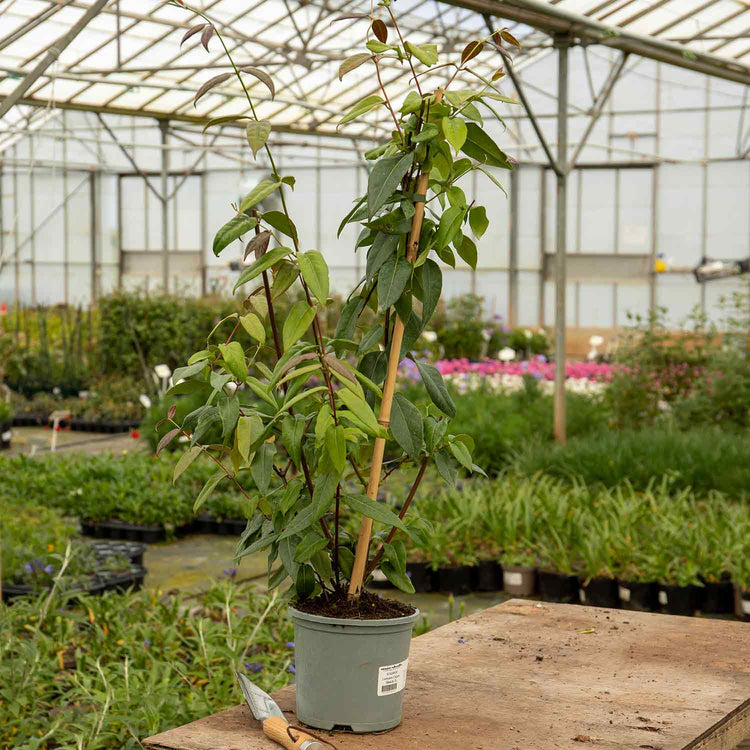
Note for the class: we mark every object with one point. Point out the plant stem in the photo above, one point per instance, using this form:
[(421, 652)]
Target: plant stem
[(403, 44), (387, 100), (389, 387), (336, 540), (413, 491)]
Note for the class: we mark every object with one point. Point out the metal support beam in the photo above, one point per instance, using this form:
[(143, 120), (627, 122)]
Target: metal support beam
[(55, 50), (164, 127), (562, 44), (515, 208), (94, 232), (598, 107)]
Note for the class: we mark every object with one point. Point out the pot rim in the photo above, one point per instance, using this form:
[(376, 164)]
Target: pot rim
[(406, 619)]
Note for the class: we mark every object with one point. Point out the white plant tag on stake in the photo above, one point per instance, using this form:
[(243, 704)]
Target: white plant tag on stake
[(624, 594), (663, 598), (392, 678), (512, 578)]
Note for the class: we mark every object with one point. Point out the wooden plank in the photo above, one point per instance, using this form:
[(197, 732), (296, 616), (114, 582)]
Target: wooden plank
[(526, 675)]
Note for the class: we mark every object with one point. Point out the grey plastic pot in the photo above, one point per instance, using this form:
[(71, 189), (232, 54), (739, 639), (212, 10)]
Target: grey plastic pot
[(519, 580), (350, 673)]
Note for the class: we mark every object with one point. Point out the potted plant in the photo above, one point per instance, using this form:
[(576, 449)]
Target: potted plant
[(6, 422), (488, 575), (305, 446), (556, 559), (519, 571), (680, 587), (598, 584)]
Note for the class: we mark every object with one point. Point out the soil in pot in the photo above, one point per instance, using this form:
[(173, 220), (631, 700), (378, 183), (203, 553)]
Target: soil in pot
[(639, 596), (519, 580), (557, 587), (600, 592), (421, 575), (360, 655), (680, 600), (454, 580), (487, 576)]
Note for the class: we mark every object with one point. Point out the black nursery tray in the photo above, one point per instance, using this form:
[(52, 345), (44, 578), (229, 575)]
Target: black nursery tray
[(77, 425), (205, 524), (132, 550), (100, 582), (122, 531), (29, 420)]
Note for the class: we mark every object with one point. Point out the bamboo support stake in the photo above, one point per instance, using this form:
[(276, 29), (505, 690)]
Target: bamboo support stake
[(384, 417)]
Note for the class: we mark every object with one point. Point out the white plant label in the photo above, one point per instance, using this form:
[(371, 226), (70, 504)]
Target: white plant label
[(663, 598), (624, 594), (582, 596), (746, 606), (392, 678), (511, 578), (6, 436)]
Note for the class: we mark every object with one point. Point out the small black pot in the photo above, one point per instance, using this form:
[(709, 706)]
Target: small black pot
[(455, 580), (422, 577), (557, 587), (5, 435), (639, 596), (487, 576), (600, 592), (680, 600), (718, 598)]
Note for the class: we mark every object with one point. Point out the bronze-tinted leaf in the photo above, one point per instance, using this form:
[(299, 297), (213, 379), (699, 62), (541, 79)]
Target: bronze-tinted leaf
[(350, 15), (191, 32), (340, 367), (208, 32), (167, 439), (505, 34), (499, 73), (380, 30), (294, 361), (471, 50), (353, 62), (262, 76), (172, 411), (258, 244), (210, 83)]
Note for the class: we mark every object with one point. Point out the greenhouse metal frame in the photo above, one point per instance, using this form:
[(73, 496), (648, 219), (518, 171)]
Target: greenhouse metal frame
[(118, 65)]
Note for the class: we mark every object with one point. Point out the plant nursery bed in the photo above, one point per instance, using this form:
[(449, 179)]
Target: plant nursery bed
[(100, 582), (120, 530), (530, 675)]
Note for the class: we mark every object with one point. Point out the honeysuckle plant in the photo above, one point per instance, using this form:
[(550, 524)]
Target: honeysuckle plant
[(313, 439)]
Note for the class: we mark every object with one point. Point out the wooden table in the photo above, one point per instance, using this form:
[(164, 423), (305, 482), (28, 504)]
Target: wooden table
[(526, 675)]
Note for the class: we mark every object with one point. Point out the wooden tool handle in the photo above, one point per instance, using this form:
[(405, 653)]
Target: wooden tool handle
[(275, 728)]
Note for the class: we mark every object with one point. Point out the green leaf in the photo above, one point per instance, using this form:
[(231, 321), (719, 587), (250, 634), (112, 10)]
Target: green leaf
[(208, 488), (412, 103), (185, 460), (236, 226), (202, 355), (432, 287), (322, 564), (346, 561), (392, 280), (468, 251), (287, 548), (471, 112), (312, 543), (262, 467), (450, 223), (301, 396), (360, 409), (336, 447), (425, 53), (229, 411), (262, 190), (455, 131), (385, 178), (348, 318), (292, 430), (428, 132), (281, 222), (261, 390), (291, 494), (221, 120), (323, 421), (373, 509), (481, 147), (350, 216), (383, 247), (285, 275), (370, 339), (207, 419), (254, 327), (434, 432), (234, 356), (257, 134), (189, 371), (324, 490), (297, 322), (249, 429), (304, 584), (478, 221), (397, 577), (461, 452), (262, 264), (406, 425), (360, 108), (436, 389), (446, 466), (315, 273)]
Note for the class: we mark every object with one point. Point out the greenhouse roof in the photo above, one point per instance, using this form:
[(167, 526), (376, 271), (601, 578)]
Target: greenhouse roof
[(124, 56)]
